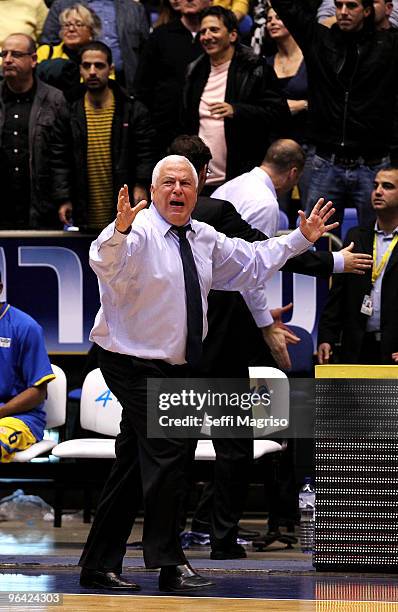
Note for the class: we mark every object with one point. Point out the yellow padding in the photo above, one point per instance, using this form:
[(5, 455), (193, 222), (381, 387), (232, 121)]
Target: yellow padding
[(356, 371)]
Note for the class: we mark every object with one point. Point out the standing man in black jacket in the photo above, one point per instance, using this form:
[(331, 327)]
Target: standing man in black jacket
[(361, 312), (112, 143), (353, 79), (232, 99), (33, 131)]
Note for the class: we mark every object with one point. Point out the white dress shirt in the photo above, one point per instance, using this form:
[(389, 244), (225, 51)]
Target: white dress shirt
[(141, 281), (254, 197)]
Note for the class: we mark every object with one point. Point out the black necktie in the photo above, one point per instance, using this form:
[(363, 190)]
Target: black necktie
[(193, 351)]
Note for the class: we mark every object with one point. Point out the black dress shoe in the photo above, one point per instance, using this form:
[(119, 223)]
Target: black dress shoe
[(179, 578), (106, 580), (234, 551)]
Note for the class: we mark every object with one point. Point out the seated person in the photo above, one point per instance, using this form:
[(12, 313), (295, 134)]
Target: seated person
[(25, 371)]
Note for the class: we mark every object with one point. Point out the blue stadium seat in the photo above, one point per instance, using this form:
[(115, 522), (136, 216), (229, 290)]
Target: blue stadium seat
[(302, 353), (350, 220)]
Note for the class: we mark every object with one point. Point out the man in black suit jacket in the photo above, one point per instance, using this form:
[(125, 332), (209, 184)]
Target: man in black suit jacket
[(362, 311), (232, 337)]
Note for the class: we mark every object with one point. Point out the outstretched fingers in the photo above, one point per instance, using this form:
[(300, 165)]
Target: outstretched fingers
[(327, 211), (318, 205), (140, 206), (123, 201), (331, 226)]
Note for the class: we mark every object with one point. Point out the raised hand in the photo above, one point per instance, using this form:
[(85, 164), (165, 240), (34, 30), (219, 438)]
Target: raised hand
[(356, 263), (315, 226), (125, 214)]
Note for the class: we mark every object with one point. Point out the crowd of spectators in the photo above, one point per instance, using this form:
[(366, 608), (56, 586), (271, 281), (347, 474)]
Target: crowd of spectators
[(331, 89)]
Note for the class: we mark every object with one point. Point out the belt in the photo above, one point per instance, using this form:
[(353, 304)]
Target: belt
[(350, 161)]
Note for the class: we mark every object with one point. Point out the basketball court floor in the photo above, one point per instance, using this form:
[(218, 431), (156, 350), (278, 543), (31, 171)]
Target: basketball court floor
[(38, 571)]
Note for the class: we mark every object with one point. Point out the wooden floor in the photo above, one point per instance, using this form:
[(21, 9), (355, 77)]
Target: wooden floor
[(99, 603), (174, 604), (36, 557)]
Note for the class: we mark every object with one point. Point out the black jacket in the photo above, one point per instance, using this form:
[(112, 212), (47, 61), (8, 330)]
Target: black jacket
[(341, 317), (161, 76), (360, 114), (132, 149), (48, 154), (260, 110)]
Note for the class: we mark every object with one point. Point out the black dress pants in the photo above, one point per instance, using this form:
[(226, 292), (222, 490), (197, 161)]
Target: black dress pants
[(223, 501), (160, 464)]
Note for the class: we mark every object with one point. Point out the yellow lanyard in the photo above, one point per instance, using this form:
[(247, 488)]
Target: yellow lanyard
[(377, 269)]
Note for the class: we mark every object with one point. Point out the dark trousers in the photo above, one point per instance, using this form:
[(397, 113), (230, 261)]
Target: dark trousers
[(160, 464), (222, 501)]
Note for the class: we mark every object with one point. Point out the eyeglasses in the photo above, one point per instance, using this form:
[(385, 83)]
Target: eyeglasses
[(73, 24), (351, 6), (14, 54)]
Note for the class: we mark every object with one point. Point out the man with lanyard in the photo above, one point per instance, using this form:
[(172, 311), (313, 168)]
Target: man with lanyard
[(363, 309), (25, 371)]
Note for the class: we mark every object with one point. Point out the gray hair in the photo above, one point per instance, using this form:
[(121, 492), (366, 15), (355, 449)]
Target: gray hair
[(173, 159)]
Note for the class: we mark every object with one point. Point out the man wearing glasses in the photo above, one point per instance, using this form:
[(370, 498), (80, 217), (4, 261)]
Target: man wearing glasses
[(353, 78), (33, 124)]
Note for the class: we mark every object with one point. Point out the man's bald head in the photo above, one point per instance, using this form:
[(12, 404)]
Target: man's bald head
[(284, 162), (284, 154), (30, 45)]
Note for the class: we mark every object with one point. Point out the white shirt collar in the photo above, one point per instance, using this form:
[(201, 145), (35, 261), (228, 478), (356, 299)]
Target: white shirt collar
[(379, 231), (160, 222)]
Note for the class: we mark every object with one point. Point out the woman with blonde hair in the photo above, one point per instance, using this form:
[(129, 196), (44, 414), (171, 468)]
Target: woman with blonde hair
[(79, 25), (58, 65)]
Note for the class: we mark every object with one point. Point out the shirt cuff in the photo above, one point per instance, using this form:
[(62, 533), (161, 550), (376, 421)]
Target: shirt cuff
[(338, 263), (298, 241), (263, 318), (110, 236)]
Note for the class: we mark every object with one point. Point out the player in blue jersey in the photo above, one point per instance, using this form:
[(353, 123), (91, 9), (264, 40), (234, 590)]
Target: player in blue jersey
[(25, 371)]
